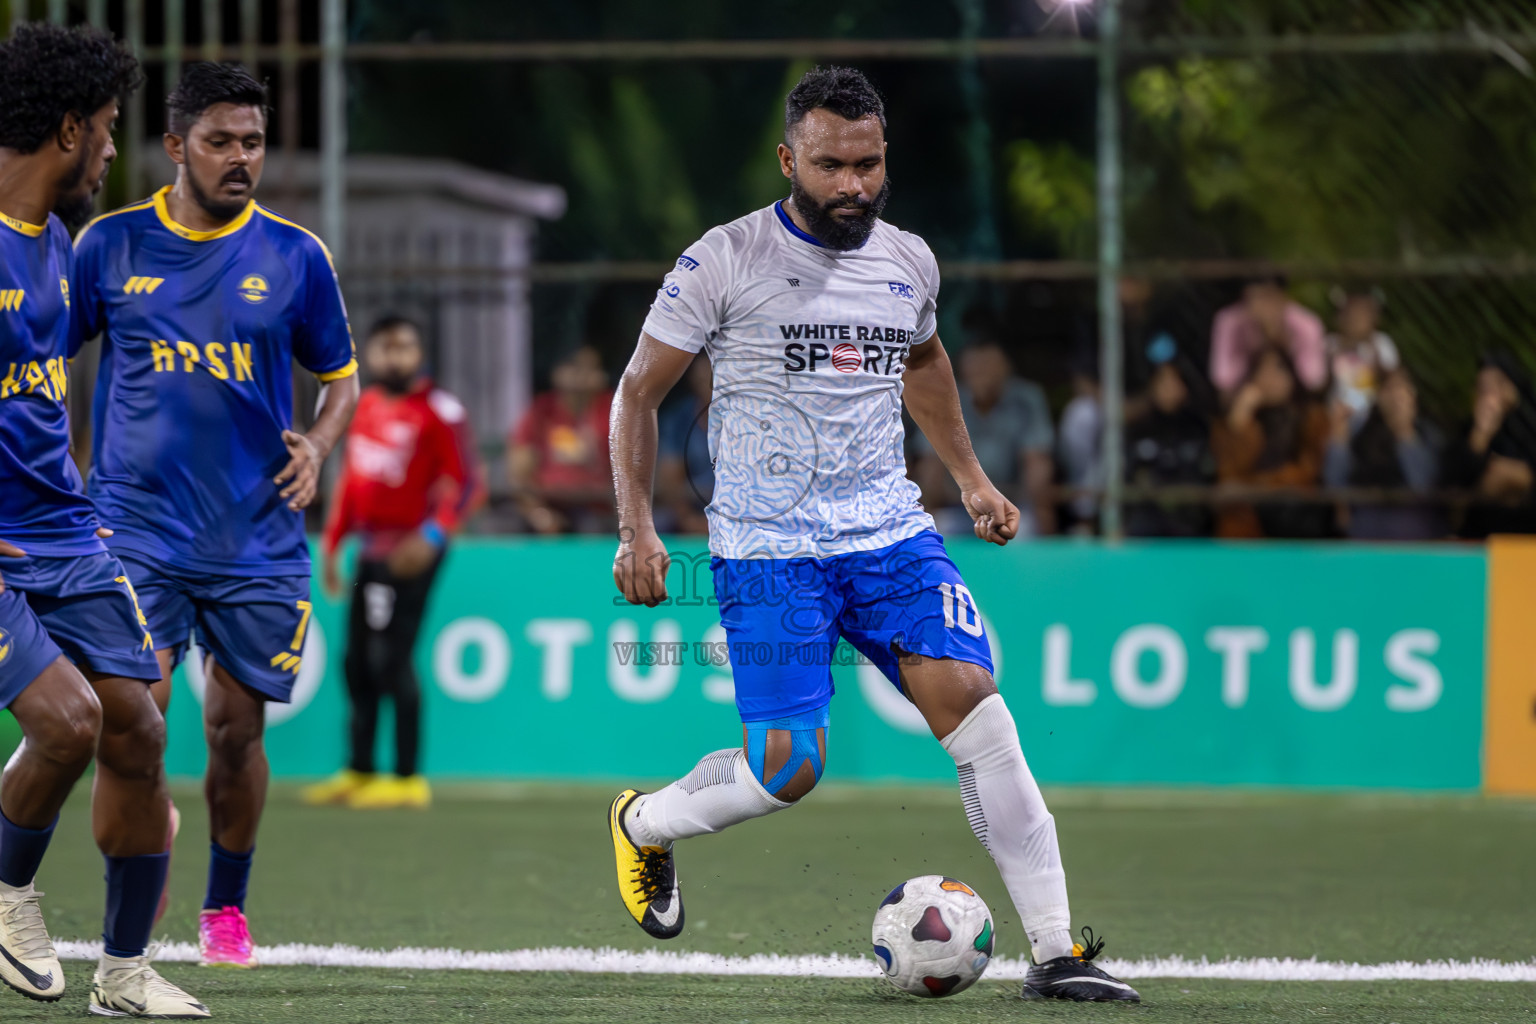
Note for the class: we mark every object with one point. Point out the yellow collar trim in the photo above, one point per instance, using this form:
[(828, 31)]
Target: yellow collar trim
[(21, 226), (181, 230)]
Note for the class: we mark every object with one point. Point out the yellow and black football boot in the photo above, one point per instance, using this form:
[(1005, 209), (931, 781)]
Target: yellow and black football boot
[(647, 876)]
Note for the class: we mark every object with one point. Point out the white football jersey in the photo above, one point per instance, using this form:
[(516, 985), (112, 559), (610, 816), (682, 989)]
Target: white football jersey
[(808, 345)]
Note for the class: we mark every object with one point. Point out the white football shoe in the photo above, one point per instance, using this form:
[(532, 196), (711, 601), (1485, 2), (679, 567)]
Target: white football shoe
[(28, 961), (129, 987)]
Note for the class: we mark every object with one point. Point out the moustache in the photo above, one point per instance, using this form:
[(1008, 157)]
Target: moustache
[(241, 176)]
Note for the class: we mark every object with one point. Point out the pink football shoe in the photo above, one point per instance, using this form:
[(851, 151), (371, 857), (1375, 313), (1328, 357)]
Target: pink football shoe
[(225, 939)]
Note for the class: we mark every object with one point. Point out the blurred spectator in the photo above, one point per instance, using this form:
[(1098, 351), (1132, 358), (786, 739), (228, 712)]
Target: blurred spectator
[(409, 478), (1010, 426), (1388, 446), (1274, 435), (1359, 355), (1264, 318), (685, 474), (1496, 456), (1080, 443), (1168, 443), (557, 462), (1080, 437)]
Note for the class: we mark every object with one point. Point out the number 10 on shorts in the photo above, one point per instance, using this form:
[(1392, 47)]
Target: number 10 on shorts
[(960, 608)]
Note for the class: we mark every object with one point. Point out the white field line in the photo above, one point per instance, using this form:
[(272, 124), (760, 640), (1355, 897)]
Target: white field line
[(834, 965)]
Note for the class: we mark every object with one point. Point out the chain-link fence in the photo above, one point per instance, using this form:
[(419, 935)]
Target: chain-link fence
[(1328, 174)]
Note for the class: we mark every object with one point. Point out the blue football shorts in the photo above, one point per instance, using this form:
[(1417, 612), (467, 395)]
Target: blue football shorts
[(253, 626), (80, 606), (783, 618)]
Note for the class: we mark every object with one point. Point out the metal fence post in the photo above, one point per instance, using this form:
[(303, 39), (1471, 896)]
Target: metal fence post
[(213, 30), (333, 126), (250, 34), (175, 14), (1111, 339), (135, 121)]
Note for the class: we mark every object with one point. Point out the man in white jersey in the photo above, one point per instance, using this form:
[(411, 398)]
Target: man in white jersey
[(818, 319)]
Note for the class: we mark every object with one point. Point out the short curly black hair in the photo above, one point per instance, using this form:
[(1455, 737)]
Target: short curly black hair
[(48, 72), (205, 83), (844, 91)]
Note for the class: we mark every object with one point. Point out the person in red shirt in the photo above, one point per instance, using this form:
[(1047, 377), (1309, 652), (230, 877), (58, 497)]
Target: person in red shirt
[(409, 479), (557, 461)]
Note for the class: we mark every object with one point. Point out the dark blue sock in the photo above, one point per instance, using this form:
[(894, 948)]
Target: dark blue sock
[(21, 851), (133, 892), (228, 874)]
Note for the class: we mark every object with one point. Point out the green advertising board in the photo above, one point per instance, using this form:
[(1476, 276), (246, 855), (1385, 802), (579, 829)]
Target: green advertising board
[(1168, 663)]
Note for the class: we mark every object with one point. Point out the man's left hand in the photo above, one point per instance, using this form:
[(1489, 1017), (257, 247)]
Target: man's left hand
[(413, 556), (996, 518), (302, 474)]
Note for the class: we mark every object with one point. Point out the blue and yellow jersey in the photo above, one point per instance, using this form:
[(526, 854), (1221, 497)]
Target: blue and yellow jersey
[(43, 508), (199, 334)]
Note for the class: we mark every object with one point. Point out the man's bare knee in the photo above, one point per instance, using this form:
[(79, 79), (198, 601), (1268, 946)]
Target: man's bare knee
[(799, 785), (60, 716), (779, 749), (134, 748), (233, 741), (234, 719), (70, 737)]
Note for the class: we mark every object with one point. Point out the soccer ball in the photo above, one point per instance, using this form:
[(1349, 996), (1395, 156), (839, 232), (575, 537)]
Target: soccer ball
[(933, 936)]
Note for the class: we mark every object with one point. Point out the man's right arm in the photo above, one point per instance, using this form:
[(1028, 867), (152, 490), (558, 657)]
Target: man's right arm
[(640, 567)]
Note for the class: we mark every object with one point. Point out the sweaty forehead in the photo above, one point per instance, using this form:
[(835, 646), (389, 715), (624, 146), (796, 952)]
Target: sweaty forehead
[(824, 133)]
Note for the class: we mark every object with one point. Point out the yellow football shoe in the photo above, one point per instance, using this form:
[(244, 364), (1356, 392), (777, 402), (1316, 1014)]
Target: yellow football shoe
[(336, 789), (647, 876), (384, 792)]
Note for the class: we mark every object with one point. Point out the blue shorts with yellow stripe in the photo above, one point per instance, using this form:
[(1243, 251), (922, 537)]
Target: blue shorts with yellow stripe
[(253, 626), (80, 606)]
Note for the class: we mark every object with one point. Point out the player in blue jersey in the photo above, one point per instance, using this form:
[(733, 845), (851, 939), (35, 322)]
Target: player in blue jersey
[(819, 320), (204, 300), (75, 657)]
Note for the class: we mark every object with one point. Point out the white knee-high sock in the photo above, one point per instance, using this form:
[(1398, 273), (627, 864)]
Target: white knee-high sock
[(720, 791), (1009, 816)]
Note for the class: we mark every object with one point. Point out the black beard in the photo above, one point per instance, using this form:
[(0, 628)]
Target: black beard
[(213, 207), (396, 383), (840, 233), (74, 209)]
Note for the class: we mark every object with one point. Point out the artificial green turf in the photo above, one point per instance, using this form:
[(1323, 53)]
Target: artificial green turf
[(307, 994), (1360, 878)]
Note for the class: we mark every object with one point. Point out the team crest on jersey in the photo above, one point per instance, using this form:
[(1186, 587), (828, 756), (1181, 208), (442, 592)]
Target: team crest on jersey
[(902, 291), (5, 646), (254, 288)]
